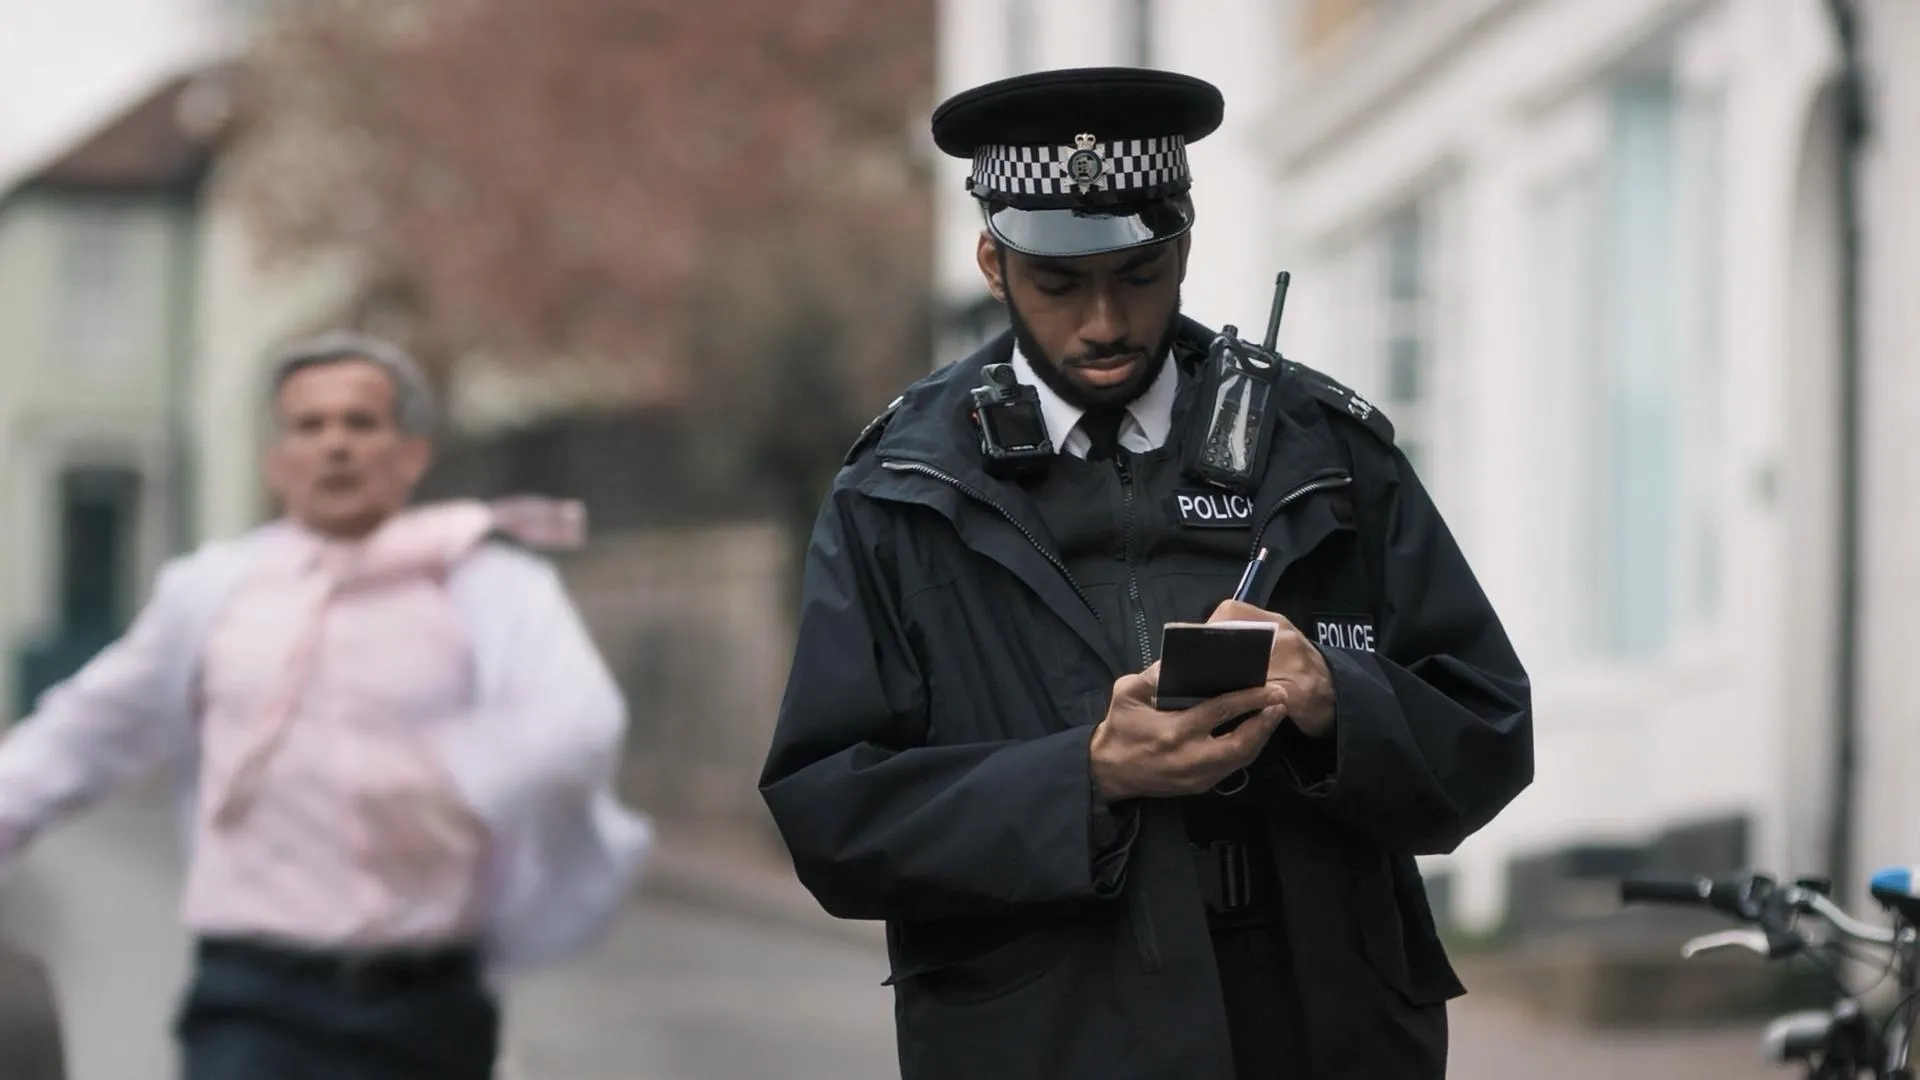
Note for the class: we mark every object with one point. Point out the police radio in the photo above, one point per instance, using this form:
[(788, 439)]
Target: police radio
[(1233, 415), (1013, 431)]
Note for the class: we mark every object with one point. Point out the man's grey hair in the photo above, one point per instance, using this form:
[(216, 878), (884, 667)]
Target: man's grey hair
[(413, 408)]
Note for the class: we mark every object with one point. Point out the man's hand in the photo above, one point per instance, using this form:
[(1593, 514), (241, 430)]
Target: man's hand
[(1139, 751), (1294, 664)]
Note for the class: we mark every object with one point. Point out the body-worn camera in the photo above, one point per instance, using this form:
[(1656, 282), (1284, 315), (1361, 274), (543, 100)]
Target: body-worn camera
[(1234, 413), (1013, 431)]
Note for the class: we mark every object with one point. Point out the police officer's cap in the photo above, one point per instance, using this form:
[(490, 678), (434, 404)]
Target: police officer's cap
[(1082, 160)]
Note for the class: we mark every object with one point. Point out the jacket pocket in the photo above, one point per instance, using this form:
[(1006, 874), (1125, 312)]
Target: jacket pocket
[(1394, 925), (982, 976)]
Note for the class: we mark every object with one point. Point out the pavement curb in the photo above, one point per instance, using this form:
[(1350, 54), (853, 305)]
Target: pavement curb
[(699, 877)]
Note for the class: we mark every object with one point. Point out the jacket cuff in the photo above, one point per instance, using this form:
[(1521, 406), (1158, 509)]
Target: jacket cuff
[(1314, 765), (1110, 834)]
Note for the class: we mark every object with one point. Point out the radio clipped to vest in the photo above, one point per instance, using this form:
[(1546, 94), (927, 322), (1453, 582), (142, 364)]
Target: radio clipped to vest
[(1233, 416), (1013, 431)]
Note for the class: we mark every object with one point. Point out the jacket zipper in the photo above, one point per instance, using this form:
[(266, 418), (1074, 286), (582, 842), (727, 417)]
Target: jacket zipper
[(1321, 484), (979, 496), (1146, 939), (1137, 606)]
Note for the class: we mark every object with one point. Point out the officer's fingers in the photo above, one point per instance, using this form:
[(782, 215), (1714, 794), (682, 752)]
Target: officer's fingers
[(1202, 719), (1243, 743)]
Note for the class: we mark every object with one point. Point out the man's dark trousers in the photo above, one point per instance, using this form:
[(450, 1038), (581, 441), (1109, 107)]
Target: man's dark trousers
[(256, 1011)]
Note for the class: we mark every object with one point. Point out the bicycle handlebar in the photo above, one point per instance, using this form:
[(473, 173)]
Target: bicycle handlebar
[(1843, 922), (1666, 890), (1753, 898)]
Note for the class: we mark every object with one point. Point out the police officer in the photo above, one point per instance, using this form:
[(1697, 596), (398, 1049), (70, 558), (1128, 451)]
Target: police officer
[(1074, 882)]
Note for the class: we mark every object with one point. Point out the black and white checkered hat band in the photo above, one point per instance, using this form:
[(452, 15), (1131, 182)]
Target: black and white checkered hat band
[(1127, 169)]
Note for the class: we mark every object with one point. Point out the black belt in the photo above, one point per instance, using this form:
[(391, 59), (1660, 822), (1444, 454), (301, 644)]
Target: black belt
[(354, 971), (1236, 877)]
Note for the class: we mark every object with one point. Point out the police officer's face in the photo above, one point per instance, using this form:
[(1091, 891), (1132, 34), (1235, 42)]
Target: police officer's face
[(1100, 324)]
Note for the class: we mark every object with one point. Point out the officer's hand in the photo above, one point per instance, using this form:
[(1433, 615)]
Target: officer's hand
[(1139, 751), (1295, 664)]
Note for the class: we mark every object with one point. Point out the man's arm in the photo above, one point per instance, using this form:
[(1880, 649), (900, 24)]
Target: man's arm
[(1433, 734), (111, 722), (547, 727), (881, 825)]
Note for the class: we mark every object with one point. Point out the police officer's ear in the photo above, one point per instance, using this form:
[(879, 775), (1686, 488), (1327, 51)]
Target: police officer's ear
[(1181, 247), (993, 267)]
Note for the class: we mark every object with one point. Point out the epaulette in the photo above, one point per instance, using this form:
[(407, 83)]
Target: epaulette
[(1342, 400), (871, 433)]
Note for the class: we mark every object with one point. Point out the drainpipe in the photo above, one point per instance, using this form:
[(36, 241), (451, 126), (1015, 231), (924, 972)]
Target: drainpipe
[(1846, 733)]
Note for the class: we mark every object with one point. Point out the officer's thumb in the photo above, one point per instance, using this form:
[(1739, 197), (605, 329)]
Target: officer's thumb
[(1238, 611), (1138, 689)]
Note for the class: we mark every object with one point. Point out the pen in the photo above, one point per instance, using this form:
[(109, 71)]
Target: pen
[(1245, 588)]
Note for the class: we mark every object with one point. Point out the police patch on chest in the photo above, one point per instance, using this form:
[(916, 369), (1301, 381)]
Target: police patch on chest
[(1212, 510), (1354, 632)]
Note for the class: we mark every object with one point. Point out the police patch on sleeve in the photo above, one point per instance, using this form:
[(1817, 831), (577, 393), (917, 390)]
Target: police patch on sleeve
[(1335, 631), (1204, 509)]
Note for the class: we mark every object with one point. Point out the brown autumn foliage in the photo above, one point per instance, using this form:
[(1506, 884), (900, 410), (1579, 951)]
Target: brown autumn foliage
[(699, 192)]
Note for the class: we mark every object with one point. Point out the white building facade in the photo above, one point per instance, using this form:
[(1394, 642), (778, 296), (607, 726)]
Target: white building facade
[(1583, 254)]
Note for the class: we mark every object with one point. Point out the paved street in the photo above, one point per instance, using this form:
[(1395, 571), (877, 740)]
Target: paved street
[(676, 993), (682, 995)]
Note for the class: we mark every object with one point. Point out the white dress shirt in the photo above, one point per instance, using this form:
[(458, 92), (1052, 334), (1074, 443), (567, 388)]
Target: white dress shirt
[(1145, 427)]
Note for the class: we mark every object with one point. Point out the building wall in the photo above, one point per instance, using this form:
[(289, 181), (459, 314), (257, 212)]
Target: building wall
[(246, 309), (693, 623), (1889, 808), (91, 312), (1663, 555), (1642, 720)]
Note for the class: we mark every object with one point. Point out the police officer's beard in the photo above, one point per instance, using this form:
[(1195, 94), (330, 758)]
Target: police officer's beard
[(1083, 397)]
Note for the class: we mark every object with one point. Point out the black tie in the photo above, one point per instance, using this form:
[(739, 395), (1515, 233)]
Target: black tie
[(1102, 426)]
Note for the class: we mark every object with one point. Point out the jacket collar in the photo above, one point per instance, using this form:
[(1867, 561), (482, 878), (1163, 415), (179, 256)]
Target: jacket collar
[(931, 425)]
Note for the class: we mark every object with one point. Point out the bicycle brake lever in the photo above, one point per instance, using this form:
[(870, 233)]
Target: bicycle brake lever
[(1754, 941)]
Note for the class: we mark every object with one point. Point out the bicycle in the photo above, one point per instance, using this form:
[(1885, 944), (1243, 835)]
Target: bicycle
[(1841, 1042)]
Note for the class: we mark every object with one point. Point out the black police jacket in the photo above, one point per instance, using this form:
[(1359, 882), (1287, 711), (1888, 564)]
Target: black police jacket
[(929, 764)]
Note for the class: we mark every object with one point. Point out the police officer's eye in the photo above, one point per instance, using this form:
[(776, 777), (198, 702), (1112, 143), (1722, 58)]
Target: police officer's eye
[(1059, 288), (1142, 282)]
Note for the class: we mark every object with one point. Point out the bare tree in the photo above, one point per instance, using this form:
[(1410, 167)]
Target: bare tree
[(609, 179)]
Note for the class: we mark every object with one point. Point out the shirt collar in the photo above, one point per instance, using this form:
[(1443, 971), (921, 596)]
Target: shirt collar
[(1151, 413)]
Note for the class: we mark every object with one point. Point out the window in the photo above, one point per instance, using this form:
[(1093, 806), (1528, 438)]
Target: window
[(94, 307), (1406, 352), (1565, 325), (1389, 307), (1626, 320), (99, 512), (1637, 361)]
